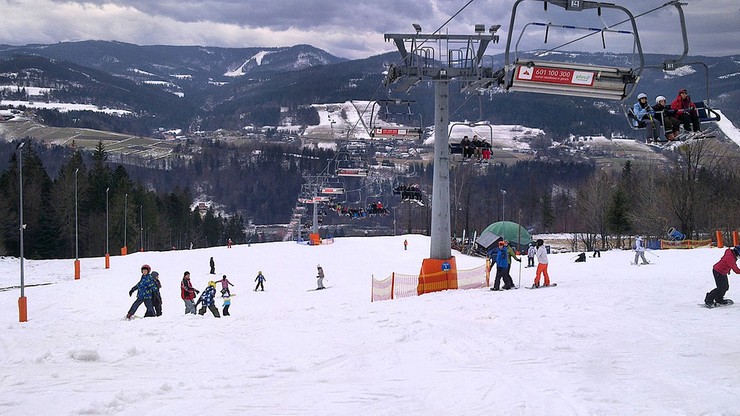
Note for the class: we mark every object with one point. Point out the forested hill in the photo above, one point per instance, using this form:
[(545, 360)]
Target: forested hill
[(194, 88), (259, 183)]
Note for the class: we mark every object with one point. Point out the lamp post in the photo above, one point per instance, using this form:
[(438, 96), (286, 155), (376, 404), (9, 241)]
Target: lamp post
[(124, 249), (107, 235), (503, 199), (141, 224), (77, 234), (22, 303)]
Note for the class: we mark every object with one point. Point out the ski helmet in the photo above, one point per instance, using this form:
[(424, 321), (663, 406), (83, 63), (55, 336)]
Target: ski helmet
[(146, 266), (212, 283), (641, 96), (736, 250), (658, 99)]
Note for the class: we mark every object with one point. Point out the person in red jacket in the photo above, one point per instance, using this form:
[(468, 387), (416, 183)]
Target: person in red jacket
[(686, 111), (721, 270), (187, 293)]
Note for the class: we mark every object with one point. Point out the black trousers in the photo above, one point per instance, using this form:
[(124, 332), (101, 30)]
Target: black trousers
[(502, 272), (226, 310), (212, 308), (259, 285), (689, 121), (723, 285)]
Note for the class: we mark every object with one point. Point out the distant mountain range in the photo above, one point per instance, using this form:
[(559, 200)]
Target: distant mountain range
[(193, 87)]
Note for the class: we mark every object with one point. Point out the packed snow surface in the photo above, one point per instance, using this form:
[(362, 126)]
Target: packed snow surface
[(610, 339)]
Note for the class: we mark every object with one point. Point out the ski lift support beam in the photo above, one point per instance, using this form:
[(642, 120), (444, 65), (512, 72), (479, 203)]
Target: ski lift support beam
[(419, 62), (549, 77)]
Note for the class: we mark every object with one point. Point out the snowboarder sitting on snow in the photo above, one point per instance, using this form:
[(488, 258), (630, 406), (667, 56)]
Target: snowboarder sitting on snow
[(208, 300), (260, 281), (639, 250), (320, 277), (225, 286), (156, 296), (144, 290), (581, 258), (720, 271), (187, 293), (502, 266)]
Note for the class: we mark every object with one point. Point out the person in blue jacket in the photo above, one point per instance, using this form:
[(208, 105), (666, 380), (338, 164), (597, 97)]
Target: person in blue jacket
[(208, 299), (502, 267), (144, 291), (645, 117)]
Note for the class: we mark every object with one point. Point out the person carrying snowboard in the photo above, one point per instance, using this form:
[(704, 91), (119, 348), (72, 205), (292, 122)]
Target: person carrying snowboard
[(320, 277), (144, 290), (260, 279), (639, 250), (156, 296), (225, 286), (208, 299), (720, 271), (187, 293)]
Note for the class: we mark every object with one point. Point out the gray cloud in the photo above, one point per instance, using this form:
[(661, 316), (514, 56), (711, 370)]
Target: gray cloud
[(346, 28)]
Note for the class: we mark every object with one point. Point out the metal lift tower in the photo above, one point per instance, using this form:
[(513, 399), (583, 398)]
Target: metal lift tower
[(441, 58)]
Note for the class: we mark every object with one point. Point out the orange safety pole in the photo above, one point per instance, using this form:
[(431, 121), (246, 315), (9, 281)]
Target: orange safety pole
[(735, 238), (22, 309), (77, 269), (393, 283), (720, 242), (107, 260)]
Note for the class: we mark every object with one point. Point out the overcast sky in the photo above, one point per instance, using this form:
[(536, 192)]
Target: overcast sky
[(349, 28)]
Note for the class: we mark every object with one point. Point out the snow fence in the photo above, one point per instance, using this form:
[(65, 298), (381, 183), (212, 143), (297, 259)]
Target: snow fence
[(399, 285)]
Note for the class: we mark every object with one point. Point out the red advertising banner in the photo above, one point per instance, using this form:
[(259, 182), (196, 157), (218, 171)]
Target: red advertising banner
[(555, 75)]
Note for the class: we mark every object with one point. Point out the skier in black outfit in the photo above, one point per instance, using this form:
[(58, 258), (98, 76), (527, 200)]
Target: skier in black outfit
[(156, 296), (213, 266)]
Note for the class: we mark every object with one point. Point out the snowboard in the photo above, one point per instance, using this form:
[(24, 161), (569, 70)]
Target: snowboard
[(541, 287), (718, 305)]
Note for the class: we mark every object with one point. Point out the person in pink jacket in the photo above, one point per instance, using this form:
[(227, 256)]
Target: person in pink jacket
[(721, 270)]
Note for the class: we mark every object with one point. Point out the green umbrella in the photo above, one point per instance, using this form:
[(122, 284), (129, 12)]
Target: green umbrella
[(510, 231)]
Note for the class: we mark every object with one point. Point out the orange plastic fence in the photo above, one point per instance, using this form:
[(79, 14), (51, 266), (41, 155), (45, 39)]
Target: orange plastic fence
[(666, 244), (404, 285)]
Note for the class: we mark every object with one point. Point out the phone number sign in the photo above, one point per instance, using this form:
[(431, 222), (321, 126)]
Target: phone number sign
[(555, 76)]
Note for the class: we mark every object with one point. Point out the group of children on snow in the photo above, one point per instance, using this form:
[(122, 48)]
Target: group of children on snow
[(504, 254), (681, 111), (148, 293)]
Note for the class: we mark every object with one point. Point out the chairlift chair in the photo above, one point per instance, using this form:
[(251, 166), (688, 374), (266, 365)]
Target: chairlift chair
[(564, 78), (398, 125)]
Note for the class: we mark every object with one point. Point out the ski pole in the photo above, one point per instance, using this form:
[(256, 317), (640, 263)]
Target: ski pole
[(651, 252)]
